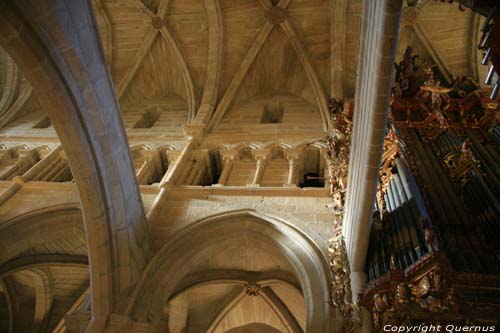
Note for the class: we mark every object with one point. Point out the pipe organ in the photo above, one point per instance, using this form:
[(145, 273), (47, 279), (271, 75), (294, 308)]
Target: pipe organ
[(434, 255)]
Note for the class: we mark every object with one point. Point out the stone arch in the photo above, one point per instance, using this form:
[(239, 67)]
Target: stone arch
[(254, 328), (55, 45), (47, 225), (172, 263), (52, 223)]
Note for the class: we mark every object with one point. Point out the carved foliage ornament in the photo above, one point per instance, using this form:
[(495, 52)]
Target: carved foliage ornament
[(425, 297), (460, 165), (337, 158), (341, 285), (419, 100), (389, 153)]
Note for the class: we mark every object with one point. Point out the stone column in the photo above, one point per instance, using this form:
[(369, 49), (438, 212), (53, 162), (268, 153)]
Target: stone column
[(31, 174), (199, 165), (260, 156), (47, 159), (26, 159), (193, 133), (56, 46), (150, 168), (292, 156), (144, 171), (228, 158), (57, 172), (16, 184), (378, 38), (4, 155)]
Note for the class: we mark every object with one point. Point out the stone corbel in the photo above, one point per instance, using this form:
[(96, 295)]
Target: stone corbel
[(194, 132)]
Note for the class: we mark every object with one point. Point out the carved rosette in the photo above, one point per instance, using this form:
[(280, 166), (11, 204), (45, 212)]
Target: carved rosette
[(252, 289)]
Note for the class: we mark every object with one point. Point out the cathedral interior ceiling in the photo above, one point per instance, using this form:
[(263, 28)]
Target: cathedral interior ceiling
[(221, 65)]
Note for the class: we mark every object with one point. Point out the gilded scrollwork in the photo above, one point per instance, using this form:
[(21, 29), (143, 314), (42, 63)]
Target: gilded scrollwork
[(420, 100), (409, 301), (336, 160)]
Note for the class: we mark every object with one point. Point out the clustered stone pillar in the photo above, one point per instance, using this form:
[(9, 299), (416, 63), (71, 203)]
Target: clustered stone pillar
[(228, 158), (378, 38)]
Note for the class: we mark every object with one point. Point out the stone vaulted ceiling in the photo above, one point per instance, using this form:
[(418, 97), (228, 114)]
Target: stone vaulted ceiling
[(212, 62), (202, 57)]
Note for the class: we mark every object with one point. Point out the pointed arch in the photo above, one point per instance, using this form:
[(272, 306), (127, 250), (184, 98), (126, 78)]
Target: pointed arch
[(171, 264), (64, 64)]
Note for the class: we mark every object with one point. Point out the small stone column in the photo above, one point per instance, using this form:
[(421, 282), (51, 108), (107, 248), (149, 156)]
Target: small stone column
[(26, 159), (151, 168), (144, 171), (260, 156), (15, 185), (59, 170), (194, 134), (199, 165), (292, 156), (47, 158), (326, 169), (228, 158)]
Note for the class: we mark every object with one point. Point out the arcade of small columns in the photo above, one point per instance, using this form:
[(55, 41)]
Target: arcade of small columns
[(97, 150), (156, 166)]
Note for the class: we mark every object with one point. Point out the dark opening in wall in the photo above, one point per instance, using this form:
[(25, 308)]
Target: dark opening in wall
[(273, 114), (44, 123), (216, 164), (313, 175), (313, 179), (148, 119)]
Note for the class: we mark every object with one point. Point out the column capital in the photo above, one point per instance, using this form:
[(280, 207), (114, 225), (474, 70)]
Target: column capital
[(229, 154), (261, 154), (292, 153)]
